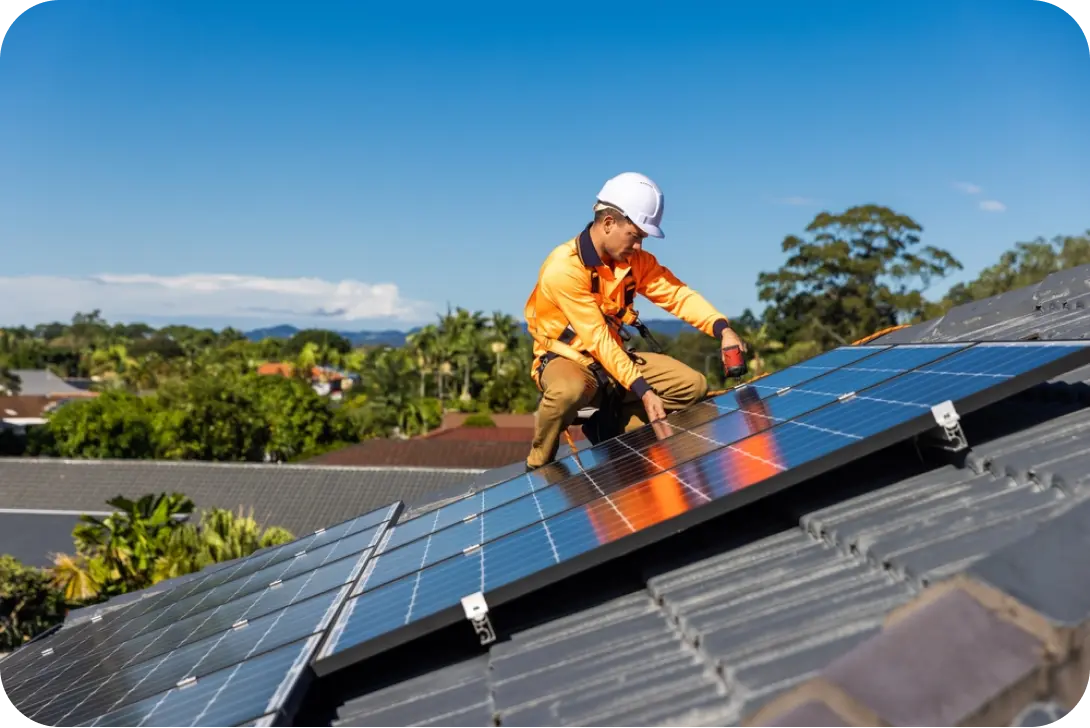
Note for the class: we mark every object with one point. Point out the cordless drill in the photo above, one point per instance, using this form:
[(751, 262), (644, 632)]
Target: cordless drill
[(734, 362)]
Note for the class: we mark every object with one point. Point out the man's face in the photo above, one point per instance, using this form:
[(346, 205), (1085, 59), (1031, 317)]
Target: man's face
[(621, 238)]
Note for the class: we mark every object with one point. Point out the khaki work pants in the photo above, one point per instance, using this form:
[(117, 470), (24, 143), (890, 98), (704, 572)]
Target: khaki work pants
[(569, 387)]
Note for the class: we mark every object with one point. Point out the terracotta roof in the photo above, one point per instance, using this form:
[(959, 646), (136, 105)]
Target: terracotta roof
[(491, 434), (287, 369), (457, 419), (427, 453), (23, 406)]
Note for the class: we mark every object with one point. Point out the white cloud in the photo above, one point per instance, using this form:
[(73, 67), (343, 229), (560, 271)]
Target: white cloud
[(41, 298), (992, 206), (968, 188)]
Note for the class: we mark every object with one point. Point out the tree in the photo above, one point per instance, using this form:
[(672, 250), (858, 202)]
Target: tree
[(116, 424), (9, 383), (29, 603), (299, 420), (323, 340), (116, 554), (1023, 265), (221, 536), (210, 418), (858, 272)]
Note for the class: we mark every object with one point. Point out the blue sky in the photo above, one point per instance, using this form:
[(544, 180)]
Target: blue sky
[(251, 163)]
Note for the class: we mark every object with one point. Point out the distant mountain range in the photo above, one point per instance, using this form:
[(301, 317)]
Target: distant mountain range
[(390, 337)]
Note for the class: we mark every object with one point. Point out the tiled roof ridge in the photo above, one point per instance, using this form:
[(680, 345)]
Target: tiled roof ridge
[(981, 647), (134, 463)]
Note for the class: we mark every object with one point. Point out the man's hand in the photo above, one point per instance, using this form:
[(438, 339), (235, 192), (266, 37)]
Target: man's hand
[(731, 339), (654, 406)]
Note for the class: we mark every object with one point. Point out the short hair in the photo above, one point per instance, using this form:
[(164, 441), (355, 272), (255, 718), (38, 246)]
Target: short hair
[(604, 209)]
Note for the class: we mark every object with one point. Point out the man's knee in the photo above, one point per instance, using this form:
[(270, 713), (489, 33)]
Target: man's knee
[(686, 385), (567, 387)]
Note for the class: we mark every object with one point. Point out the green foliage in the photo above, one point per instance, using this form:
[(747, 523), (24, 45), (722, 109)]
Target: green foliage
[(1023, 265), (221, 536), (479, 419), (124, 547), (322, 339), (29, 603), (115, 424), (859, 271), (210, 418), (149, 540)]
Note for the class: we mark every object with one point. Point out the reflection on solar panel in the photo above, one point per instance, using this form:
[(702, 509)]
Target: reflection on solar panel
[(226, 647), (516, 536)]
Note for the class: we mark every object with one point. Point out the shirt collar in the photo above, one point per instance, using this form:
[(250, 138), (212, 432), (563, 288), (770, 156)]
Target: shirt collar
[(587, 253)]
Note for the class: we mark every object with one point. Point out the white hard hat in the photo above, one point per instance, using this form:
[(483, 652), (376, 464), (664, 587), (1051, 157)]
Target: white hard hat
[(638, 198)]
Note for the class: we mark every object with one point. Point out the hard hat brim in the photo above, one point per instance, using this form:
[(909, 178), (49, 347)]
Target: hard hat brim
[(653, 230)]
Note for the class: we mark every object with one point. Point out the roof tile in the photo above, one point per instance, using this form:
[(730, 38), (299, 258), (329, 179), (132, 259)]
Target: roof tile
[(297, 497), (945, 663), (427, 453)]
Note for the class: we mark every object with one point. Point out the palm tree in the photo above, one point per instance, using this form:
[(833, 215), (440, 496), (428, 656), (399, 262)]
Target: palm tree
[(127, 543), (503, 331), (463, 333), (221, 536), (425, 344)]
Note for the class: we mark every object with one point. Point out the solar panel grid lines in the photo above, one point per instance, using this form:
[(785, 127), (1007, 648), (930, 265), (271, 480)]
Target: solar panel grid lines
[(67, 640), (853, 423), (195, 624), (454, 528), (177, 606), (149, 674), (603, 453), (201, 624), (95, 683), (246, 693)]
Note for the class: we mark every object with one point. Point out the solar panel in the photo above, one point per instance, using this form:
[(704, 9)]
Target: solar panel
[(225, 648), (449, 530), (778, 431), (215, 586)]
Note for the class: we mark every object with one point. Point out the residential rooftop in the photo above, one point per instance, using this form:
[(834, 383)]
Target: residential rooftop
[(911, 586)]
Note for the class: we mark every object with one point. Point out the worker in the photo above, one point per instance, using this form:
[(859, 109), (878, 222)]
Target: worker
[(582, 299)]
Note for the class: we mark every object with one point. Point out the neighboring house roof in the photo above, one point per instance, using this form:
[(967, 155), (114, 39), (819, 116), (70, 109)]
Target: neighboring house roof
[(524, 435), (297, 497), (904, 588), (502, 420), (428, 453), (41, 382), (481, 434), (287, 369), (31, 536), (23, 406)]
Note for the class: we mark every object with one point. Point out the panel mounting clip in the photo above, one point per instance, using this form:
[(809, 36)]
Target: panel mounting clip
[(476, 611), (951, 435)]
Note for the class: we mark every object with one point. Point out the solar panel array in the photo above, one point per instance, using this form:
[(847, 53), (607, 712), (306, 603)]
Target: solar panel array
[(513, 537), (233, 645), (224, 648)]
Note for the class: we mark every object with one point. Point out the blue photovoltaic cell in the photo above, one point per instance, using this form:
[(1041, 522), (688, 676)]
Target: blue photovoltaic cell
[(560, 536), (198, 608), (444, 532), (172, 665), (222, 698), (110, 656), (603, 453), (133, 680)]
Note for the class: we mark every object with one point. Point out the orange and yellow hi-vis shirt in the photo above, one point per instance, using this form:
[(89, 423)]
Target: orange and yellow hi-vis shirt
[(575, 293)]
